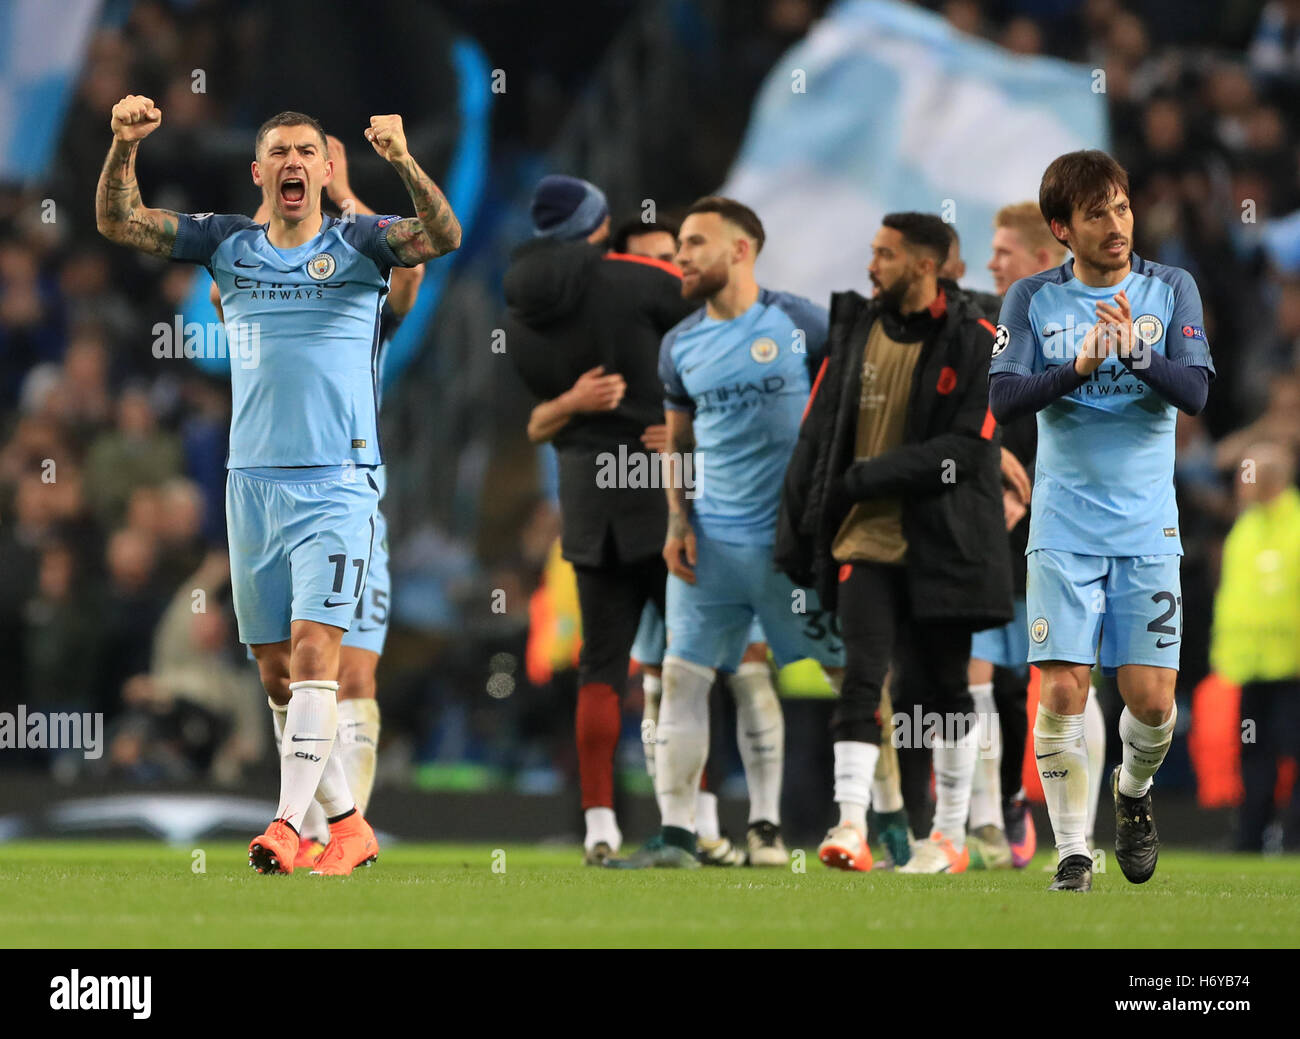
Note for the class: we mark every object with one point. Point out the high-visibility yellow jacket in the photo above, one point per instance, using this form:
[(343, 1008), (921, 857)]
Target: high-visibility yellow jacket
[(1256, 633)]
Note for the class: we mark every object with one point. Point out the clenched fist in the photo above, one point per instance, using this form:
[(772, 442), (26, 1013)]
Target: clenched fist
[(387, 136), (135, 117)]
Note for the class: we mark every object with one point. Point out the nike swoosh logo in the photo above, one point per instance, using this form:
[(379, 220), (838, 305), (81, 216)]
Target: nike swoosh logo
[(1051, 755), (345, 602), (247, 266), (309, 739), (368, 627), (1162, 644)]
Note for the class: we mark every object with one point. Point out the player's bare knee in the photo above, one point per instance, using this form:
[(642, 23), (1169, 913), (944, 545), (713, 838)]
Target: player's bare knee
[(356, 680), (309, 660), (1148, 692), (276, 684), (1064, 687), (314, 653), (755, 653)]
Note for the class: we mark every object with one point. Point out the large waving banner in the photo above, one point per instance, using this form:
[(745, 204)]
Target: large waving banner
[(886, 107), (42, 43)]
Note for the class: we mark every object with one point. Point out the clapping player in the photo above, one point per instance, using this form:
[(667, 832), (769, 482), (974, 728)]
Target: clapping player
[(1106, 348)]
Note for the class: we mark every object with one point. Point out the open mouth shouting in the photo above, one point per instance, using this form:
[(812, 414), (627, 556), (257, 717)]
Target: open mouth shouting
[(293, 194)]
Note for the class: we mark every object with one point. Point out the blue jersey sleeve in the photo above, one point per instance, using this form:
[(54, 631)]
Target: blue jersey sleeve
[(675, 395), (368, 235), (1185, 341), (810, 319), (1015, 349), (199, 234)]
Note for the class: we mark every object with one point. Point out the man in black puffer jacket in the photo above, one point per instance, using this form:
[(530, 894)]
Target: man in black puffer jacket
[(892, 510), (583, 333)]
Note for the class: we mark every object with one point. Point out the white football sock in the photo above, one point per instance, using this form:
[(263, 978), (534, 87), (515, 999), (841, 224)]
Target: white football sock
[(855, 764), (986, 786), (1094, 736), (1062, 762), (760, 731), (602, 825), (314, 825), (682, 737), (332, 792), (652, 687), (1145, 747), (310, 724), (887, 785), (954, 768), (706, 816), (357, 745)]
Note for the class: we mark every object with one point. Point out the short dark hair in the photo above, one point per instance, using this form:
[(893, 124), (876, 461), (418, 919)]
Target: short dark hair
[(1083, 180), (736, 212), (922, 231), (632, 228), (289, 119)]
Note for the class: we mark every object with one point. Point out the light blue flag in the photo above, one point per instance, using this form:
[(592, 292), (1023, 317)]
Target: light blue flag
[(42, 44), (885, 107)]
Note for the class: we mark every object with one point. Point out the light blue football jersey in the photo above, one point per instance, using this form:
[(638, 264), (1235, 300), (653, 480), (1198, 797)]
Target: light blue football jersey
[(1104, 475), (746, 382), (303, 336)]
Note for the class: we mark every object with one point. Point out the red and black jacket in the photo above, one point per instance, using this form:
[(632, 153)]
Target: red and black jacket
[(572, 307), (946, 472)]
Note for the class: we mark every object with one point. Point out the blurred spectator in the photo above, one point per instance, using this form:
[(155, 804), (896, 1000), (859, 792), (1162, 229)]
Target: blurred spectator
[(200, 707), (1275, 50), (61, 638), (1022, 36), (82, 399), (178, 528), (29, 323), (136, 453), (1280, 423), (1256, 640), (131, 604), (85, 282)]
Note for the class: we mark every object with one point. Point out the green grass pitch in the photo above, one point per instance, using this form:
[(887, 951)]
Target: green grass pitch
[(84, 894)]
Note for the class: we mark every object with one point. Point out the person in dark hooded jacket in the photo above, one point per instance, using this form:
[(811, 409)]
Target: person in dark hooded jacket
[(583, 332), (892, 510)]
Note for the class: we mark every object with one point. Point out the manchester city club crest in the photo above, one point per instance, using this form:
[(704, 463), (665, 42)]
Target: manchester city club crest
[(320, 266), (1038, 630), (1148, 329), (763, 350)]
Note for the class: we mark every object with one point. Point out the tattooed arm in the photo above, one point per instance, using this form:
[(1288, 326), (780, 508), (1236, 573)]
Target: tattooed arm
[(434, 231), (120, 215), (679, 546)]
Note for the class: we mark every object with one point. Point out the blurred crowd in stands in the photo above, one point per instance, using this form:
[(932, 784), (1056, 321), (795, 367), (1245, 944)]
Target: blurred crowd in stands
[(113, 595)]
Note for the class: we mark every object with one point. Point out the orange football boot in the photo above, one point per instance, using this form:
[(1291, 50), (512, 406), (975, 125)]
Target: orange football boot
[(275, 851), (308, 852), (352, 844), (845, 847)]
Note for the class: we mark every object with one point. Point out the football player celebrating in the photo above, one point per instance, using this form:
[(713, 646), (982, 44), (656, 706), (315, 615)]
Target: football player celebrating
[(302, 491), (358, 741), (1001, 826), (737, 377), (1105, 348)]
